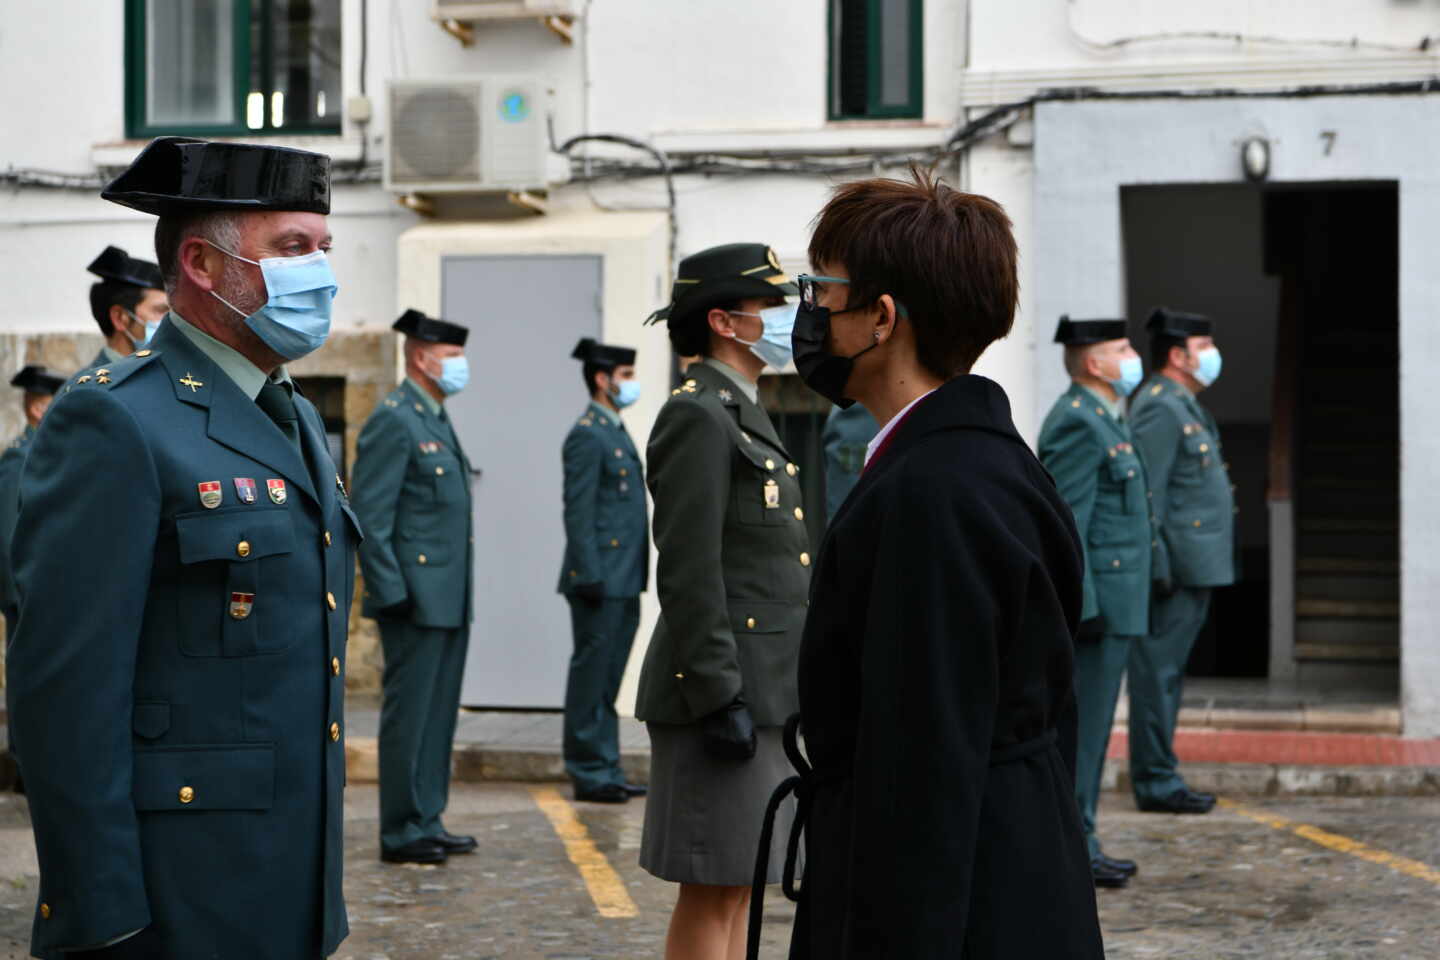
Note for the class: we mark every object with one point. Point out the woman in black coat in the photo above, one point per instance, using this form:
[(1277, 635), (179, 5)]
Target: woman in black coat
[(936, 677)]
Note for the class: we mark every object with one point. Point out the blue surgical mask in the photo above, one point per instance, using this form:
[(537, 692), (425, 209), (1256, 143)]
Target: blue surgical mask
[(454, 375), (774, 345), (1131, 373), (296, 317), (150, 329), (626, 392), (1208, 370)]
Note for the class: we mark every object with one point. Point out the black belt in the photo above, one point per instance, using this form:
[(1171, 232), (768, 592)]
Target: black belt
[(804, 786)]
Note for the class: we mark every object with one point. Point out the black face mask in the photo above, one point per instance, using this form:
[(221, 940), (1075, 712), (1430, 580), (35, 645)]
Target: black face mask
[(822, 371)]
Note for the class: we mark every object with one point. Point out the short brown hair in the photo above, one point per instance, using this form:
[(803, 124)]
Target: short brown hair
[(948, 257)]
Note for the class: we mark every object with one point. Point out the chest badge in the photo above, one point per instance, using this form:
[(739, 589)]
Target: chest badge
[(277, 490), (210, 494), (245, 489), (241, 604), (772, 495)]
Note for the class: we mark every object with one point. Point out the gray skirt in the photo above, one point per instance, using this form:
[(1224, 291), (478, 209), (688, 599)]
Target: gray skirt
[(703, 816)]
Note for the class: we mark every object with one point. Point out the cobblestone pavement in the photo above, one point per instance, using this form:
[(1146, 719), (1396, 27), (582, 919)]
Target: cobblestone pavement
[(1220, 886)]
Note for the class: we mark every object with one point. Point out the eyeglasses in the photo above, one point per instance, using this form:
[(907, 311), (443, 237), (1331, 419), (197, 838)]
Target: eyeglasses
[(810, 287)]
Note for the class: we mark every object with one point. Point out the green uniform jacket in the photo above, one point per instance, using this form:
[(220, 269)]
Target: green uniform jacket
[(607, 540), (412, 493), (846, 435), (1098, 473), (733, 571), (10, 463), (177, 678), (1194, 504)]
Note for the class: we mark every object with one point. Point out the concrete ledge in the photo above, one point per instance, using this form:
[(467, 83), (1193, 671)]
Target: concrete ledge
[(479, 763), (1264, 779)]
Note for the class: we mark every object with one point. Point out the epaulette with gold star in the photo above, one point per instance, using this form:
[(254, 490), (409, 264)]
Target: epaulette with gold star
[(110, 375), (689, 387)]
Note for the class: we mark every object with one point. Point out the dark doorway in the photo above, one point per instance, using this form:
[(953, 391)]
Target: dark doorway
[(1335, 251)]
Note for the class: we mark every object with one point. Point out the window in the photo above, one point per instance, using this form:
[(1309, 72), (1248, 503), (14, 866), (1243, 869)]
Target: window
[(876, 67), (232, 67)]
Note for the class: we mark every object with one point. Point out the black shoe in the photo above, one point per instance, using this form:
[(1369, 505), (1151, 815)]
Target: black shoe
[(1105, 877), (416, 851), (452, 844), (635, 789), (1183, 800), (1128, 867), (610, 793)]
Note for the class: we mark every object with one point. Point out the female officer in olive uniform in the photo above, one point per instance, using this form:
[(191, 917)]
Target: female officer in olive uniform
[(733, 574)]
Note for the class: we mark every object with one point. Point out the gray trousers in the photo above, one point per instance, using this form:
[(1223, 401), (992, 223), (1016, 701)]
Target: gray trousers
[(1157, 674)]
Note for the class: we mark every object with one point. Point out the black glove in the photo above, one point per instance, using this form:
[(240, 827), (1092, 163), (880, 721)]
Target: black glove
[(398, 611), (1164, 588), (729, 733), (1090, 631), (591, 593)]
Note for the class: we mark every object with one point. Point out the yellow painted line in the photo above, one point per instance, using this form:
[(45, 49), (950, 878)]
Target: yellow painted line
[(1340, 844), (605, 886)]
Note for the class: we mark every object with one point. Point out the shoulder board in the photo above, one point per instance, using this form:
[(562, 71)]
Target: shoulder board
[(113, 374), (688, 388)]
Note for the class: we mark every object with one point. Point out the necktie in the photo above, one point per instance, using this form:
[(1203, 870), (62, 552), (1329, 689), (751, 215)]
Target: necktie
[(277, 403)]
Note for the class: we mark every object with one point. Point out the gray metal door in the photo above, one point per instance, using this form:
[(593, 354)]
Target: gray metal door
[(525, 314)]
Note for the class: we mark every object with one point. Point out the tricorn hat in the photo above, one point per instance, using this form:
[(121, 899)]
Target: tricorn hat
[(1080, 333), (603, 355), (115, 264), (720, 274), (1165, 322), (415, 324), (36, 379), (184, 175)]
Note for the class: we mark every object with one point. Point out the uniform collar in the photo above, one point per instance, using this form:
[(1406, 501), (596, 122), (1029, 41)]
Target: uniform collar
[(430, 402), (747, 386), (248, 377), (610, 416), (1112, 407)]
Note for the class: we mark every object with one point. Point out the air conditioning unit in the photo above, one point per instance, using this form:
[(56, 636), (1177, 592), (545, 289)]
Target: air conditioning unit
[(504, 9), (466, 134)]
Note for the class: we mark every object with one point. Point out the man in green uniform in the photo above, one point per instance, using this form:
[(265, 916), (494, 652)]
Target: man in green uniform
[(1195, 524), (846, 435), (1086, 445), (40, 386), (128, 303), (412, 493), (181, 728), (606, 568)]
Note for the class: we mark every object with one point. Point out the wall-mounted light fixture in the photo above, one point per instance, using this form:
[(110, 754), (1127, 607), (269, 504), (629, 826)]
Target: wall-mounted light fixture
[(1255, 158)]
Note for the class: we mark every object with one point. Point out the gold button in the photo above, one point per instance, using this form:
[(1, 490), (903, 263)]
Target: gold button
[(791, 469), (335, 666), (1204, 448), (750, 624), (138, 353), (624, 472), (1197, 523), (187, 794), (1154, 543), (574, 574), (421, 559), (334, 731), (679, 676), (45, 907), (1115, 563), (327, 538), (614, 543), (799, 514), (804, 559), (243, 548), (1112, 451), (769, 464), (1131, 473), (439, 471), (330, 600)]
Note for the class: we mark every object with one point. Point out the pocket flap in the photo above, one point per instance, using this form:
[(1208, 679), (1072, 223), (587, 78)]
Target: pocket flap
[(227, 777), (152, 719), (242, 535), (760, 616)]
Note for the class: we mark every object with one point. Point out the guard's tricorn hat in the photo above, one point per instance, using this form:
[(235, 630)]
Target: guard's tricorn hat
[(1080, 333), (415, 324), (36, 379), (175, 175), (117, 265), (722, 274), (1165, 322), (603, 355)]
